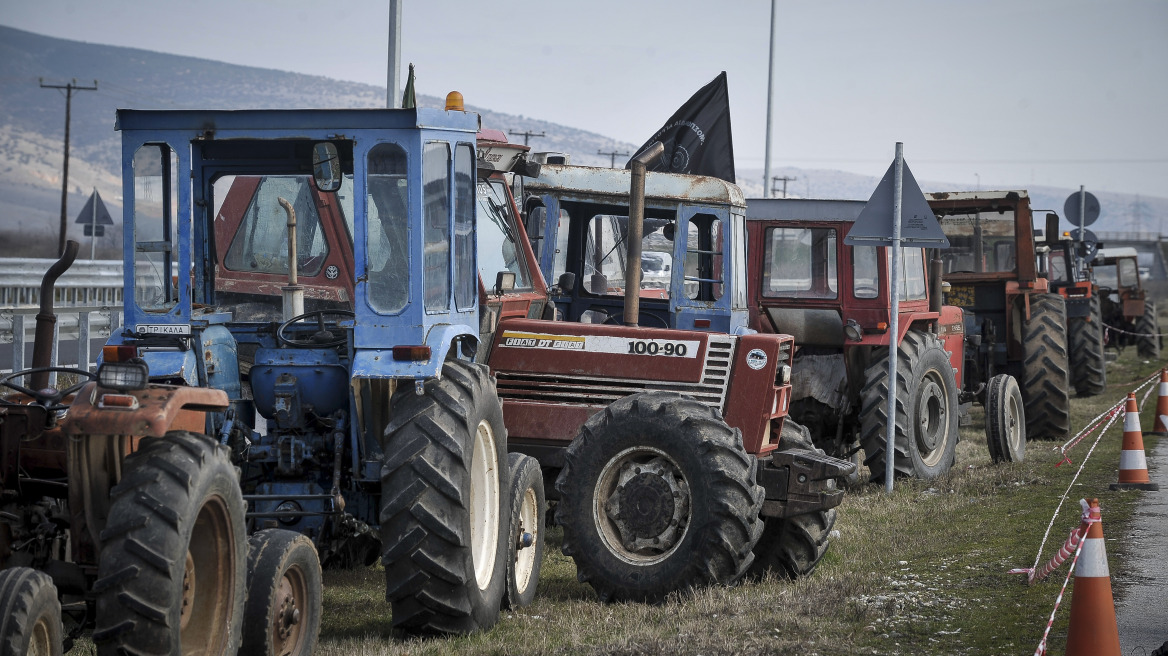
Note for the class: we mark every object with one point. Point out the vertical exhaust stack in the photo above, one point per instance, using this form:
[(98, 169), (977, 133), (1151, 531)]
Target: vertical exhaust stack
[(636, 231), (42, 349), (936, 296), (293, 292)]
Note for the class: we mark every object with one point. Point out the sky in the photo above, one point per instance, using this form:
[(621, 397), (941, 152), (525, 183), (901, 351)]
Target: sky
[(983, 93)]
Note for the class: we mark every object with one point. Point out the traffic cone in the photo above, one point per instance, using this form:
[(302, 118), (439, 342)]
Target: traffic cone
[(1160, 427), (1133, 466), (1093, 630)]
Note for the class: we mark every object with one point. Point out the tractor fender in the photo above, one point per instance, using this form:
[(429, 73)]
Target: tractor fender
[(160, 408), (379, 363)]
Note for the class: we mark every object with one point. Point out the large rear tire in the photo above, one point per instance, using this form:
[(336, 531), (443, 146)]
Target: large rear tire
[(793, 546), (283, 595), (528, 507), (1088, 364), (445, 505), (173, 560), (30, 614), (1148, 327), (926, 410), (1005, 420), (658, 495), (1045, 381)]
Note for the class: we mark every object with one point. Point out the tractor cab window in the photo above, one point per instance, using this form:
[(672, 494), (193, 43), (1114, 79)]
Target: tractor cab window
[(1058, 266), (1128, 273), (912, 273), (800, 263), (605, 254), (436, 217), (387, 240), (865, 272), (155, 227), (260, 244), (703, 258), (979, 242), (498, 244)]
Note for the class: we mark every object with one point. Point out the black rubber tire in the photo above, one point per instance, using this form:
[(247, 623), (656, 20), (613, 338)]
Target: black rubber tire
[(431, 578), (283, 595), (1045, 381), (925, 381), (686, 446), (178, 501), (528, 507), (793, 546), (1088, 364), (1148, 327), (30, 613), (1005, 420)]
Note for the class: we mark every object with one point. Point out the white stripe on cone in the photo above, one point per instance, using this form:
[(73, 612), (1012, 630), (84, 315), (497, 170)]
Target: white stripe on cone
[(1163, 420), (1132, 460), (1131, 422), (1093, 560), (1163, 389)]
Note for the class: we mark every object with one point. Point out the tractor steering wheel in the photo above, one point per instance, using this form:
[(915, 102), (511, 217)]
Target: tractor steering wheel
[(322, 338), (48, 398), (619, 319)]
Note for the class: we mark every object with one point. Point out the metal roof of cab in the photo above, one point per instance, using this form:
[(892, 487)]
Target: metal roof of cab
[(334, 120), (975, 195), (1109, 255), (592, 181), (803, 209)]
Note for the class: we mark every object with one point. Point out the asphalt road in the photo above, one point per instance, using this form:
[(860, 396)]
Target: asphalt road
[(1142, 610)]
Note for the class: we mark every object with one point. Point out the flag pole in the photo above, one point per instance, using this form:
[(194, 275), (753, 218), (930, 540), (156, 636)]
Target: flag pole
[(93, 227)]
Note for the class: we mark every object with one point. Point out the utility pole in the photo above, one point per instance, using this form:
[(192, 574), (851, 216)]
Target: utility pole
[(766, 176), (393, 77), (785, 180), (69, 89), (612, 154), (527, 135)]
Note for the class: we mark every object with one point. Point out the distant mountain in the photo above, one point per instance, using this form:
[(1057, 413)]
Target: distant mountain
[(32, 125)]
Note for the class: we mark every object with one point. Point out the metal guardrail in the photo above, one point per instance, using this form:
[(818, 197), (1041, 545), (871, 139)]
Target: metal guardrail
[(86, 283), (81, 323)]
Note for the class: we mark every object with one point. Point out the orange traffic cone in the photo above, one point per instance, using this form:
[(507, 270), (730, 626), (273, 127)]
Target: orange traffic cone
[(1093, 630), (1133, 466), (1160, 427)]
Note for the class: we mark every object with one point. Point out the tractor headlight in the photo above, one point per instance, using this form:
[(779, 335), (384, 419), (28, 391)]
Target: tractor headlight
[(123, 376), (784, 374), (853, 331)]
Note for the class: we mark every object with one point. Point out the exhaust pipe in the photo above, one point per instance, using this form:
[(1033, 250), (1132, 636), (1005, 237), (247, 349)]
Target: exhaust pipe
[(936, 296), (636, 231), (46, 319), (293, 292)]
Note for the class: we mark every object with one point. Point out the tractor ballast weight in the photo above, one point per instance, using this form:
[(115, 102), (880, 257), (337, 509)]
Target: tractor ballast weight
[(1014, 323), (319, 269), (653, 388)]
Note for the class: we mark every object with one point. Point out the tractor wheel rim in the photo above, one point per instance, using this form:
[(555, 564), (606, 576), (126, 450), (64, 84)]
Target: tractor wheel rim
[(40, 643), (529, 522), (209, 583), (641, 505), (484, 504), (1013, 425), (932, 419), (288, 621)]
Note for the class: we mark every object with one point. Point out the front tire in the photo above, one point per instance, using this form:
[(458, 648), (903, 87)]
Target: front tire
[(173, 560), (926, 410), (1045, 381), (1005, 420), (658, 495), (283, 595), (1148, 327), (30, 614), (525, 544), (444, 503), (1088, 364)]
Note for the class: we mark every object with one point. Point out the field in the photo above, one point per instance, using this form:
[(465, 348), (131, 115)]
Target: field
[(922, 571)]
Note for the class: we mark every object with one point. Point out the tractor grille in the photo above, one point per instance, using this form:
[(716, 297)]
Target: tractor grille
[(599, 390)]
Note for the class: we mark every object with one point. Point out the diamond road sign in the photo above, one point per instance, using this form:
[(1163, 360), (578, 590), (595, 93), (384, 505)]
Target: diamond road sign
[(918, 223)]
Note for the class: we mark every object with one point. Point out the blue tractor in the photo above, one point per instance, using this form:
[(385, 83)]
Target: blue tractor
[(344, 342)]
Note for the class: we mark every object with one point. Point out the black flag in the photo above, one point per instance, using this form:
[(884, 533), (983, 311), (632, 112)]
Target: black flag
[(697, 137)]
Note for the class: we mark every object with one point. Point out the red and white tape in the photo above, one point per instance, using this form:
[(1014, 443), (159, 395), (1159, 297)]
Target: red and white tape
[(1041, 650), (1128, 332), (1069, 547)]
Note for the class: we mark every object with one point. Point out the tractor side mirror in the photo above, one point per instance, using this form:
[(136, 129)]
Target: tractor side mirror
[(567, 282), (1052, 228), (504, 282), (326, 166)]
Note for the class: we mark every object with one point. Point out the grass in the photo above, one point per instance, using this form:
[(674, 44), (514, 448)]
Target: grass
[(920, 571)]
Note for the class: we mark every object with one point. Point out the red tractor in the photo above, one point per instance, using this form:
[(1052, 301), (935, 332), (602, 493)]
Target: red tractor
[(1126, 306), (834, 300), (1064, 262), (1014, 323)]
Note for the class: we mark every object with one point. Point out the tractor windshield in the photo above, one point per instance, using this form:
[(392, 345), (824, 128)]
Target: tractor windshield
[(800, 263), (498, 246), (605, 252), (979, 242)]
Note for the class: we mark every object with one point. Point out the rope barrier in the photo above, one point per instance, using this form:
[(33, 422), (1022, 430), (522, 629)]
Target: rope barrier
[(1128, 332), (1041, 650)]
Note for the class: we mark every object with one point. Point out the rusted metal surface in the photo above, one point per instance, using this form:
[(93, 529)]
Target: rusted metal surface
[(161, 408), (42, 350), (595, 182)]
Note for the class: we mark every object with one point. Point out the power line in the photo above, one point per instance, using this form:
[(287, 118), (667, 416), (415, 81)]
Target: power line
[(785, 180), (69, 89), (527, 135), (612, 154)]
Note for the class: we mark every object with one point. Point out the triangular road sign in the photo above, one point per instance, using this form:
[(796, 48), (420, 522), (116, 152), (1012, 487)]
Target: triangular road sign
[(86, 214), (918, 223)]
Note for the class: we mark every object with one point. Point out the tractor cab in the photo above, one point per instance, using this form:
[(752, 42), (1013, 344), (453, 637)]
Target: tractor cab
[(692, 250), (1127, 309)]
